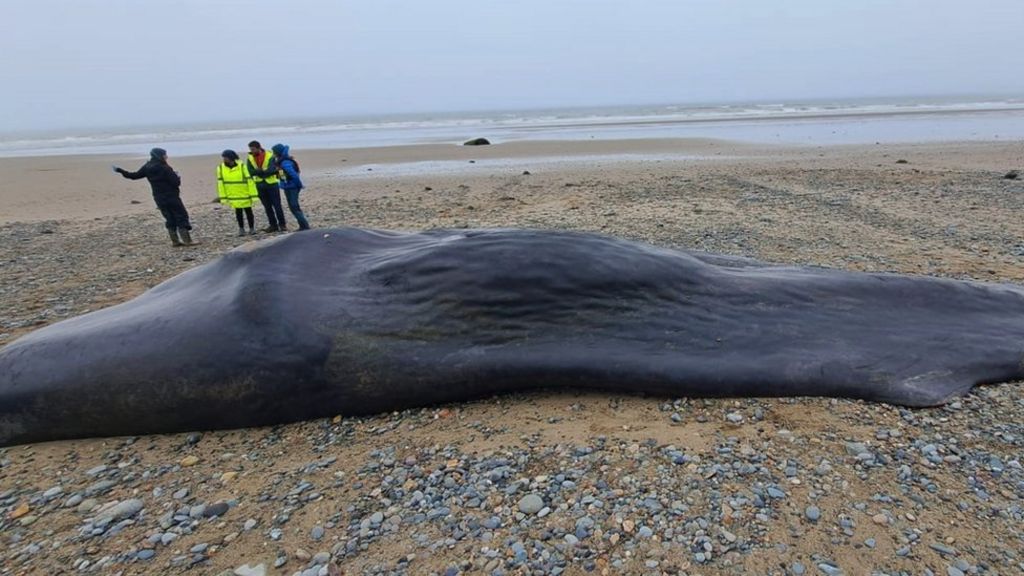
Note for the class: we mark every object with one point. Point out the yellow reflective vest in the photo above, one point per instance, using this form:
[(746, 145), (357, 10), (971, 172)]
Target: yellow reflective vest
[(234, 186), (268, 161)]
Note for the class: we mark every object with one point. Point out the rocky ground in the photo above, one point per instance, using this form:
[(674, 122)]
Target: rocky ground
[(556, 483)]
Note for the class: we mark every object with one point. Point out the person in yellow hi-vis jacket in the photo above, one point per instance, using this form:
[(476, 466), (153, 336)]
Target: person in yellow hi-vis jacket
[(235, 187)]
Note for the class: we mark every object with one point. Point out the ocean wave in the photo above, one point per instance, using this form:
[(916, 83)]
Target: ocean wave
[(449, 127)]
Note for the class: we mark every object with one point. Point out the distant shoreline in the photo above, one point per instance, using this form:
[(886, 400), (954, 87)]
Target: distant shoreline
[(823, 124)]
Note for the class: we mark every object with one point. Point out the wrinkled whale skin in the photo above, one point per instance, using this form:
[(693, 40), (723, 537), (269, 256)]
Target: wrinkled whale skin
[(352, 321)]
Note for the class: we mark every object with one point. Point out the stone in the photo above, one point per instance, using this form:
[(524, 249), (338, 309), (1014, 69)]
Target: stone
[(20, 511), (88, 505), (813, 513), (214, 510), (125, 509), (246, 570), (531, 504)]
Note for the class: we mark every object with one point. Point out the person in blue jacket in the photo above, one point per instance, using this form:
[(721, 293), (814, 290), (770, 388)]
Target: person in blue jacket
[(291, 183)]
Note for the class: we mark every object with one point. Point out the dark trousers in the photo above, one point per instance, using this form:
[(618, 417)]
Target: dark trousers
[(174, 213), (293, 204), (248, 215), (270, 197)]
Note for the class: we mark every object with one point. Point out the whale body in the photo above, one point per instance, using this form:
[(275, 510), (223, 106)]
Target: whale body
[(353, 321)]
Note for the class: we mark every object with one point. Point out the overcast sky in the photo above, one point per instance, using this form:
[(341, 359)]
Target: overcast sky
[(77, 63)]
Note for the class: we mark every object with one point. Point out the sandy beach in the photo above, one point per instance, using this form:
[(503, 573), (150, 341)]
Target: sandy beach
[(630, 485)]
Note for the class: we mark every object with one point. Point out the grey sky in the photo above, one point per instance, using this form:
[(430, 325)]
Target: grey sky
[(116, 62)]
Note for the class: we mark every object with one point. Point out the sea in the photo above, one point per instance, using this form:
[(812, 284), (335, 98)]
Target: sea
[(824, 122)]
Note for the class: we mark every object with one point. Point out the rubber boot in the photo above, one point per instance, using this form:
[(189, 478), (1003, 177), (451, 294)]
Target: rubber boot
[(241, 231), (186, 237), (174, 237)]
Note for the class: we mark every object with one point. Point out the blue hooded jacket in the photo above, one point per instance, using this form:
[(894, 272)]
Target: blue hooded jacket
[(288, 171)]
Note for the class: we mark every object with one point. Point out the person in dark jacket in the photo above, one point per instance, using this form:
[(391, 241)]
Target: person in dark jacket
[(166, 185), (291, 183)]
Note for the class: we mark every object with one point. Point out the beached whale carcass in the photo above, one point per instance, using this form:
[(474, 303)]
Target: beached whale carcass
[(352, 321)]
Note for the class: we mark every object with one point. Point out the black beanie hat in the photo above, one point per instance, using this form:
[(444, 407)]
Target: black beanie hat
[(229, 154)]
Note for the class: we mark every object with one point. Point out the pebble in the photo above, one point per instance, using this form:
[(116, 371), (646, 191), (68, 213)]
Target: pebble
[(813, 513), (101, 487), (942, 549), (829, 569), (125, 509), (214, 510), (20, 511), (531, 504), (97, 470), (246, 570)]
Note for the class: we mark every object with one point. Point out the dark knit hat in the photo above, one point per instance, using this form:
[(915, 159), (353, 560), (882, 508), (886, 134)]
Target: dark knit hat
[(229, 154), (158, 153)]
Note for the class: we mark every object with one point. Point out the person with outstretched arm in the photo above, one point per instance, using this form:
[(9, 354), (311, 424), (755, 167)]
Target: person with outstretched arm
[(166, 185)]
